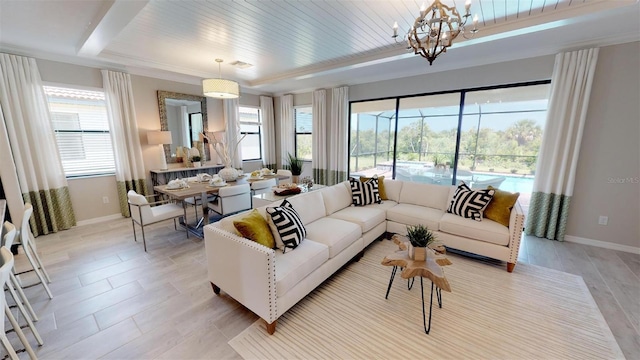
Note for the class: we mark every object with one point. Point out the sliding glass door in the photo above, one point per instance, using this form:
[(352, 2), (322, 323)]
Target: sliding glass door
[(487, 136)]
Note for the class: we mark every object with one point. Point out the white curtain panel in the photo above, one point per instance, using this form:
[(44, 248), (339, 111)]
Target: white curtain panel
[(232, 123), (558, 158), (269, 156), (338, 141), (33, 145), (319, 136), (123, 128), (287, 129), (8, 175)]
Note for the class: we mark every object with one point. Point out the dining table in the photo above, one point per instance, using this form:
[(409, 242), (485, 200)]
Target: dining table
[(203, 190)]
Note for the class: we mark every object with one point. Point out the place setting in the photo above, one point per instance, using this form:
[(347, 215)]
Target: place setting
[(177, 184)]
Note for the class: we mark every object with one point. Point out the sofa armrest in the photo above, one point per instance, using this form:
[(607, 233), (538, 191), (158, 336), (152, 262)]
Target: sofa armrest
[(516, 225), (243, 269)]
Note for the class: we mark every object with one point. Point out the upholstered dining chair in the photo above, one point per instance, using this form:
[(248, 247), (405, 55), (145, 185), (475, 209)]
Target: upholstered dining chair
[(6, 264), (232, 199), (146, 213), (30, 250), (20, 298), (12, 285), (262, 186), (283, 172)]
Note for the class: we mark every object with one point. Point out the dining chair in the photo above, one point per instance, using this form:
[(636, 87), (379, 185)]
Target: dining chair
[(146, 213), (30, 250), (21, 299), (6, 264), (262, 186), (283, 172), (232, 199)]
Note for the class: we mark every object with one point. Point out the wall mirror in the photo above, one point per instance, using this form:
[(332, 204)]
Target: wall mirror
[(185, 116)]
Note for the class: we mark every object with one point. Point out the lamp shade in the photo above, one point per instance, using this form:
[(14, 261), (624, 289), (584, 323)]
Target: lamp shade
[(220, 88), (159, 137)]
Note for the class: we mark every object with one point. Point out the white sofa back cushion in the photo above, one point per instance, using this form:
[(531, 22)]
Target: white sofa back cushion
[(309, 206), (433, 196), (336, 197), (392, 189)]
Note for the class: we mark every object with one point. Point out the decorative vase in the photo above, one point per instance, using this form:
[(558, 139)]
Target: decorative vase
[(295, 178), (228, 173), (417, 253), (197, 164)]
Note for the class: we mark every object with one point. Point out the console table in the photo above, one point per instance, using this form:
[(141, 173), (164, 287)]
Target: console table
[(162, 177)]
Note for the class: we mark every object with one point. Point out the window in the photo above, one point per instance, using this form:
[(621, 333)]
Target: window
[(304, 128), (251, 126), (479, 136), (79, 119)]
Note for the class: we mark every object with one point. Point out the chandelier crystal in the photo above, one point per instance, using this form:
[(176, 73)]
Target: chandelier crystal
[(436, 28), (220, 88)]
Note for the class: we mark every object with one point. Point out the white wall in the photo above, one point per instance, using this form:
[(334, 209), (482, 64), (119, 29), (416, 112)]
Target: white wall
[(608, 174)]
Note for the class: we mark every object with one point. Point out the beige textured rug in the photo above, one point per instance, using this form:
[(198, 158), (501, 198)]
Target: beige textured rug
[(532, 313)]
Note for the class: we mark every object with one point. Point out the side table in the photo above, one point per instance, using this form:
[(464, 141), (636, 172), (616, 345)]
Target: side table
[(430, 269)]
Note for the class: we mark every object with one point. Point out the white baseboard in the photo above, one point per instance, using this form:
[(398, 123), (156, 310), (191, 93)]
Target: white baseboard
[(602, 244), (99, 219)]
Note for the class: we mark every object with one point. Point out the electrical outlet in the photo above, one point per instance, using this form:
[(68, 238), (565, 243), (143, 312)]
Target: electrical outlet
[(105, 199), (603, 220)]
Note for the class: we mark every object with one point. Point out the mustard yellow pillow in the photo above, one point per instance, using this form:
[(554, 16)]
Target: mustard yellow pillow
[(381, 190), (499, 209), (254, 227)]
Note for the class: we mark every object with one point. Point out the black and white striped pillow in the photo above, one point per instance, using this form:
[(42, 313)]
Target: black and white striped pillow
[(286, 226), (470, 203), (364, 193)]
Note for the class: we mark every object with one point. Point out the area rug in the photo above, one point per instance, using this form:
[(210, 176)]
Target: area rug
[(532, 313)]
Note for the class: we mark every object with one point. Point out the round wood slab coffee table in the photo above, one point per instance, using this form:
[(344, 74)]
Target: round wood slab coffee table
[(431, 269)]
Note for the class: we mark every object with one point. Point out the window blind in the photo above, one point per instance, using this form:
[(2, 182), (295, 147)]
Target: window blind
[(79, 119), (251, 126)]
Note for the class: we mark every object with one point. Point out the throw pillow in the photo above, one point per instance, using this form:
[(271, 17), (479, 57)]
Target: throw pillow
[(254, 227), (286, 226), (470, 203), (499, 209), (381, 189), (364, 193)]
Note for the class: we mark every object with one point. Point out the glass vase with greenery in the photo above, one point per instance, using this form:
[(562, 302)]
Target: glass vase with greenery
[(295, 164)]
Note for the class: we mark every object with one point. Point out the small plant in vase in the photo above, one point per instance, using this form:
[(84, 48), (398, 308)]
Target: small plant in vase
[(420, 237), (295, 164), (195, 160)]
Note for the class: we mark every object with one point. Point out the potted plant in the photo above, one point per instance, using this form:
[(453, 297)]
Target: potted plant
[(195, 160), (295, 164), (419, 238)]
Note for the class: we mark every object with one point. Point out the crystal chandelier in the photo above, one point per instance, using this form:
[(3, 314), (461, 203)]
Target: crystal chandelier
[(220, 88), (436, 28)]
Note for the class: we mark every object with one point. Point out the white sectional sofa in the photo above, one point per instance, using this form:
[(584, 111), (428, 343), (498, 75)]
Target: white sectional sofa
[(269, 282)]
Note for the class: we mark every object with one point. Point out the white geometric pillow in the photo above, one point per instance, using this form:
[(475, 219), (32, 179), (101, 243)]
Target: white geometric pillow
[(364, 193), (470, 203), (286, 226)]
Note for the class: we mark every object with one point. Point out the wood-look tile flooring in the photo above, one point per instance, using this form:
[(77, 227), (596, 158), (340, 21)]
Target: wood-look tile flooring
[(114, 301)]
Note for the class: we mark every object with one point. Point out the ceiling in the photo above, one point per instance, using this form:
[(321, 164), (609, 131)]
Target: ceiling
[(297, 45)]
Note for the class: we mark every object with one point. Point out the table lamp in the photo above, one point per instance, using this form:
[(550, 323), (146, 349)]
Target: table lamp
[(160, 138)]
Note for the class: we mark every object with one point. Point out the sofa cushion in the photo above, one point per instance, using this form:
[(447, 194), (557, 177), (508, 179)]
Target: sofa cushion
[(385, 205), (485, 230), (415, 215), (286, 226), (364, 193), (429, 195), (310, 206), (336, 197), (293, 266), (499, 209), (254, 227), (335, 233), (393, 188), (381, 189), (470, 203), (367, 217)]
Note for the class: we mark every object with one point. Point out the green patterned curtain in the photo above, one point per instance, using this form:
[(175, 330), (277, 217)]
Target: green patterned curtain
[(130, 171), (558, 157), (28, 130)]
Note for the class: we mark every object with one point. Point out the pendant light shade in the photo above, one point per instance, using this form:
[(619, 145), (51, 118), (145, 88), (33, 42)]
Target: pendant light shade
[(220, 88)]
